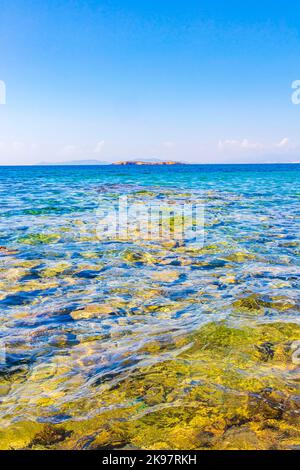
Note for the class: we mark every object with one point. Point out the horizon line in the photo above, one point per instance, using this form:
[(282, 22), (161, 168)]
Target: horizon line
[(144, 164)]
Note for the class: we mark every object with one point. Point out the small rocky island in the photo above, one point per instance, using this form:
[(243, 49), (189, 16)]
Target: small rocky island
[(141, 162)]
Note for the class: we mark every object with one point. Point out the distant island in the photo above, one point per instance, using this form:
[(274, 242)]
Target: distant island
[(143, 162), (152, 161)]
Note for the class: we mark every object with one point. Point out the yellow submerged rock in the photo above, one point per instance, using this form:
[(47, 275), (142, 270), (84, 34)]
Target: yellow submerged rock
[(138, 257), (30, 286), (167, 275), (92, 311), (55, 270), (13, 274), (18, 435), (240, 257)]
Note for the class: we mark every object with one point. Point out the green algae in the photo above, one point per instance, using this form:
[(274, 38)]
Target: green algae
[(241, 257), (206, 249), (227, 389), (251, 304), (18, 435), (134, 256), (254, 304), (53, 271), (221, 335), (49, 435), (39, 238)]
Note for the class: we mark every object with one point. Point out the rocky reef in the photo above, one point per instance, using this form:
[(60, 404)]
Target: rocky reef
[(145, 162)]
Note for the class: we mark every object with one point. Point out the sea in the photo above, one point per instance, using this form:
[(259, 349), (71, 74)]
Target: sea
[(143, 341)]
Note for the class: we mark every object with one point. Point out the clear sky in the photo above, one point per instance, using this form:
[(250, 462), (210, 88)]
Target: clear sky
[(192, 80)]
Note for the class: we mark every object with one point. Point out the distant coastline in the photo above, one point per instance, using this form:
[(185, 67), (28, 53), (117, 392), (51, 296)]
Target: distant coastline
[(122, 162)]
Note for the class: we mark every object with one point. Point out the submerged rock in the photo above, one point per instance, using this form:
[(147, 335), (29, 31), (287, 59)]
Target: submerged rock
[(39, 238), (18, 435), (165, 276), (240, 257), (34, 285), (13, 274), (257, 305), (49, 435), (239, 438), (92, 311), (54, 270), (251, 304), (4, 251), (169, 245), (138, 257)]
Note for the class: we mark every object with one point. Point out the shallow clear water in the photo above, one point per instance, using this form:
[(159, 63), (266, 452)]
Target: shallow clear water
[(88, 326)]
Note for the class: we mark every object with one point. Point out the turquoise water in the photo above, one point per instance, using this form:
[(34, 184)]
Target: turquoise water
[(137, 305)]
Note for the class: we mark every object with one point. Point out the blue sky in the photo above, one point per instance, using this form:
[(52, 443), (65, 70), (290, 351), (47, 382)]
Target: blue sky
[(201, 81)]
